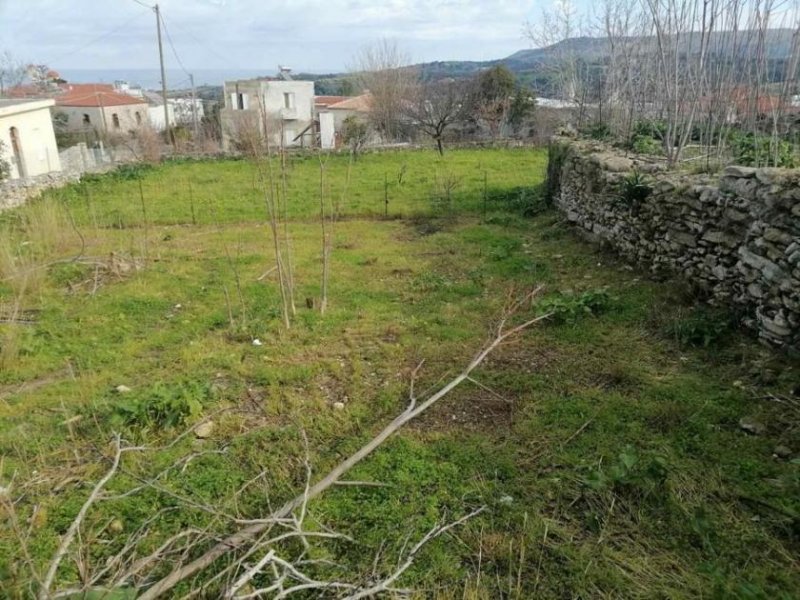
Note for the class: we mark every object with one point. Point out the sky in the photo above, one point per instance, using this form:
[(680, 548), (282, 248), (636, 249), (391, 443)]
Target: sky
[(308, 35)]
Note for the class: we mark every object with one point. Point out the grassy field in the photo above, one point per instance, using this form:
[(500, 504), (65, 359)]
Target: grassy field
[(606, 443)]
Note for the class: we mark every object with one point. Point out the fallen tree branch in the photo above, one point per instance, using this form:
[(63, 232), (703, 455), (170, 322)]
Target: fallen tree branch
[(55, 562), (249, 533), (385, 585)]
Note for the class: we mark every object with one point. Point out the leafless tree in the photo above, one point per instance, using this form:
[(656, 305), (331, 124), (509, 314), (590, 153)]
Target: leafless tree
[(698, 68), (435, 107), (12, 72), (383, 70), (555, 32)]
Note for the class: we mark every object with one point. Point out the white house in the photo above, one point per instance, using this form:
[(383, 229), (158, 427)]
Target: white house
[(29, 142), (83, 107), (281, 109)]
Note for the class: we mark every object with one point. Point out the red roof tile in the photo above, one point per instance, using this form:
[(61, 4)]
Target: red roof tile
[(328, 100), (361, 103), (94, 95)]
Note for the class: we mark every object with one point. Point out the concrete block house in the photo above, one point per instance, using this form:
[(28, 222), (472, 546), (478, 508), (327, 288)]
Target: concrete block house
[(282, 110)]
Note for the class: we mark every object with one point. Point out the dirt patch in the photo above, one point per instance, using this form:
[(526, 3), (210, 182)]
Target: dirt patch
[(7, 391), (523, 356), (469, 408)]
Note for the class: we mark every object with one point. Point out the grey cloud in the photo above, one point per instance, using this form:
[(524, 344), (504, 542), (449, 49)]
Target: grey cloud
[(310, 34)]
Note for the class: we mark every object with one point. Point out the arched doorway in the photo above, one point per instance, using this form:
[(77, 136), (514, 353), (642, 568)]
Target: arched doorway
[(16, 150)]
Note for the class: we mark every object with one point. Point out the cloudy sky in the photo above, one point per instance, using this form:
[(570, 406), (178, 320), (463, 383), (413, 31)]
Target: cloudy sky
[(317, 35)]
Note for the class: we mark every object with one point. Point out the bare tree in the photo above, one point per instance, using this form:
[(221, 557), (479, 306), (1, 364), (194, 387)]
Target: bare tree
[(563, 65), (383, 70), (435, 107), (12, 72)]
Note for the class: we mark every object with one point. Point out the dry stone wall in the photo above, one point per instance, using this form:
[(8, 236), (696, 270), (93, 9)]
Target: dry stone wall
[(735, 235), (17, 192), (75, 161)]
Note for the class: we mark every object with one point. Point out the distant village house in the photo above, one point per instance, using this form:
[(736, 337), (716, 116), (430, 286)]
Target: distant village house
[(99, 107)]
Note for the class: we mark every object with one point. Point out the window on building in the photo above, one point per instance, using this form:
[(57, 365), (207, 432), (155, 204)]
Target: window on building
[(87, 120), (115, 120), (241, 101), (288, 99), (138, 118)]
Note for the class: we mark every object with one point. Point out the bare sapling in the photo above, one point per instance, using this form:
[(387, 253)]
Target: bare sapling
[(323, 220), (287, 238), (329, 214), (254, 142)]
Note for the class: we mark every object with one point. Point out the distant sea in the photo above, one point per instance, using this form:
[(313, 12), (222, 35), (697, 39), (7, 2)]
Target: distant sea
[(150, 79)]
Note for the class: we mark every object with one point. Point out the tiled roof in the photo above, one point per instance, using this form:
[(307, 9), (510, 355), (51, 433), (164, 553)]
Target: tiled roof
[(328, 100), (94, 95), (361, 103)]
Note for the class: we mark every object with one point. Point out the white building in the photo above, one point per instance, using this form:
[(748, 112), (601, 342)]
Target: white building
[(85, 107), (29, 142), (187, 111), (279, 109)]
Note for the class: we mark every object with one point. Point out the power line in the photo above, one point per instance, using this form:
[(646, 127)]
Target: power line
[(98, 38), (204, 44), (143, 4), (171, 45)]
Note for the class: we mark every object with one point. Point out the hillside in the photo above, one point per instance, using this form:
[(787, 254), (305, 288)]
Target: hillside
[(531, 65)]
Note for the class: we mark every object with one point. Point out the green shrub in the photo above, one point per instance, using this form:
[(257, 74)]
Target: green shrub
[(761, 150), (630, 475), (702, 327), (132, 172), (569, 307), (599, 131), (634, 189), (650, 128), (161, 406), (643, 144), (525, 200)]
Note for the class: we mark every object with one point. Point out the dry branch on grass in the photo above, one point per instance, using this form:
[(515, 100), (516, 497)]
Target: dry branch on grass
[(254, 550)]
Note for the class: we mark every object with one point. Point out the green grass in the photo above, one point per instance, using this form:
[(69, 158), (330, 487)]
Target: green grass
[(231, 191), (613, 467)]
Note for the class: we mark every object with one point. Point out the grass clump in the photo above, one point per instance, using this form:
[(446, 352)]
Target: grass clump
[(569, 307), (161, 405)]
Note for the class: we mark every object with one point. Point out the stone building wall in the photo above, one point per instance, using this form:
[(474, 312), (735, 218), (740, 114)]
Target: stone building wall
[(735, 235)]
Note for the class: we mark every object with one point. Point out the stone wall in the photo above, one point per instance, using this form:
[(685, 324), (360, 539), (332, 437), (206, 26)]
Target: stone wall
[(735, 235), (18, 191), (75, 161)]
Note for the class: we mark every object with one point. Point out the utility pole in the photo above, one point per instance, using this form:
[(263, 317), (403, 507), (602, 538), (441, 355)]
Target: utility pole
[(194, 107), (163, 71)]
